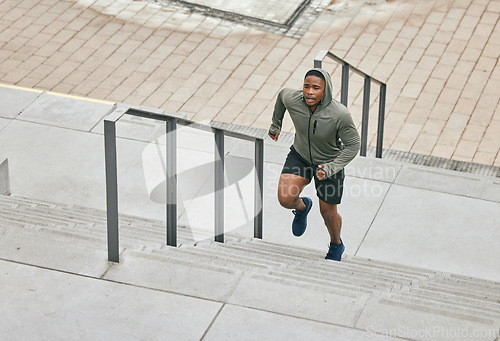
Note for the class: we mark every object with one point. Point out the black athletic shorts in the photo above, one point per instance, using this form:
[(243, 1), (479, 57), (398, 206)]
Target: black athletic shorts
[(329, 190)]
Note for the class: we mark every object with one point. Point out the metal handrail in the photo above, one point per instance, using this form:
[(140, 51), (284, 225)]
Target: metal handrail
[(344, 88), (171, 175)]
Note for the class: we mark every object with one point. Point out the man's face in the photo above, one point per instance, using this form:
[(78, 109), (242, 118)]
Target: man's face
[(313, 89)]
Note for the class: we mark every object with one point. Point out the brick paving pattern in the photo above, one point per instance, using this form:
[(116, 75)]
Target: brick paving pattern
[(440, 59)]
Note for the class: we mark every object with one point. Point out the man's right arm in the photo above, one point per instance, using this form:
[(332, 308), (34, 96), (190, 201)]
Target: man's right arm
[(278, 114)]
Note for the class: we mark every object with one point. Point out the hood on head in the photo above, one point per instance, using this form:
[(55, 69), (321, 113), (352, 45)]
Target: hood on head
[(328, 94)]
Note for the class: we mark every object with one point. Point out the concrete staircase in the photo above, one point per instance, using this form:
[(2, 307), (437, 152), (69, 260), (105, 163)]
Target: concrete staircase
[(379, 298)]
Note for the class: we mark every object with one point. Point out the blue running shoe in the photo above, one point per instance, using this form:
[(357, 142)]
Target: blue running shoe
[(335, 251), (300, 220)]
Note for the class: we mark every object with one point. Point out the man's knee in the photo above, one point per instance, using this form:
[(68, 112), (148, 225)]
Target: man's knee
[(330, 215), (288, 201), (289, 192)]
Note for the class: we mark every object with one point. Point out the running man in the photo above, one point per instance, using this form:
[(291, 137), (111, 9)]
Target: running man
[(326, 140)]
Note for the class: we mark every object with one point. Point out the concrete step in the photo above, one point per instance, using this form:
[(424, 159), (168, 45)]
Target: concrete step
[(244, 250), (221, 251), (354, 269), (259, 245), (188, 254), (456, 284), (338, 274), (36, 228), (332, 273), (464, 302), (450, 307), (34, 214)]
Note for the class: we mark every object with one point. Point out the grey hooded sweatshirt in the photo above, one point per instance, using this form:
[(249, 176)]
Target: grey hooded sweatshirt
[(316, 132)]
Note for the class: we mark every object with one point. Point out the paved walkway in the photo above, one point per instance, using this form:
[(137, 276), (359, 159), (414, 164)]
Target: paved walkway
[(439, 58)]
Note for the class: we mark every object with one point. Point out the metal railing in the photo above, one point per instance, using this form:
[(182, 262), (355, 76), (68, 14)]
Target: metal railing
[(171, 175), (344, 88)]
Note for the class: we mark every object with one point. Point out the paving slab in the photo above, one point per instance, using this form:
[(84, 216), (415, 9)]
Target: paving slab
[(64, 111), (361, 202), (14, 100), (4, 122), (242, 323), (436, 230), (39, 303)]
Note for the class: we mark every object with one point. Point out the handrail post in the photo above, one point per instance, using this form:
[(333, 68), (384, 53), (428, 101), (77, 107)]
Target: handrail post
[(219, 185), (344, 88), (381, 117), (318, 61), (171, 183), (111, 190), (259, 188), (364, 119)]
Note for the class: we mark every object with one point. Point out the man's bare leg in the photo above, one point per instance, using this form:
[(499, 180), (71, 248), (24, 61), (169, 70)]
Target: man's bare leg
[(332, 219), (289, 188)]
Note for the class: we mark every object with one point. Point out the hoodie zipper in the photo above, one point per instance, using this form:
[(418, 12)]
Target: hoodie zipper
[(309, 134), (309, 129)]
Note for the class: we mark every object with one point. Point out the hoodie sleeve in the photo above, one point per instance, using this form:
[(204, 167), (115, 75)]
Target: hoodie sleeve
[(278, 114), (349, 135)]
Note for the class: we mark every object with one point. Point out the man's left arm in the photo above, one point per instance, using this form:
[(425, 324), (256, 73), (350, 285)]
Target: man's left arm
[(349, 135)]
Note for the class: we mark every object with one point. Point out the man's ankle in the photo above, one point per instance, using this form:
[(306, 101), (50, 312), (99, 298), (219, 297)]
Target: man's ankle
[(301, 205)]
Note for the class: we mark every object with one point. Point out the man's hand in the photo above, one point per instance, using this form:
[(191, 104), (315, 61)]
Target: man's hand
[(320, 173), (275, 136)]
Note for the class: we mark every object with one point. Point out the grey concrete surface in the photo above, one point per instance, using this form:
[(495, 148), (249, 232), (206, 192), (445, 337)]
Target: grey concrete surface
[(89, 307), (65, 112), (269, 326), (434, 229), (13, 100), (407, 215)]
